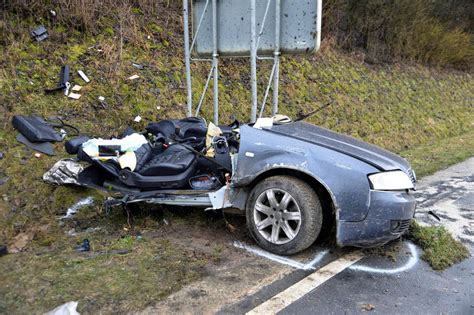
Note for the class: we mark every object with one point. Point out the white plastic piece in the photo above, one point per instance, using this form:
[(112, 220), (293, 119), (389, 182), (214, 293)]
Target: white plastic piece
[(69, 308), (128, 160), (76, 88), (74, 96), (133, 77), (71, 211), (392, 180), (138, 119), (129, 143), (83, 76), (250, 154), (263, 123), (101, 98)]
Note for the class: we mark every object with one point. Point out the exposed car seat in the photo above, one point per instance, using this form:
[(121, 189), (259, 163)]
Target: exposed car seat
[(170, 169)]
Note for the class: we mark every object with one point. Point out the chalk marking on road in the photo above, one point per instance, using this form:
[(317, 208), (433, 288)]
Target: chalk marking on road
[(280, 259), (414, 258), (303, 287)]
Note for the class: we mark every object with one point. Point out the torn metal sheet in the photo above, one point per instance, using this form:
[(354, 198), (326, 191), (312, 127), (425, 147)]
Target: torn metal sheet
[(220, 199), (64, 172)]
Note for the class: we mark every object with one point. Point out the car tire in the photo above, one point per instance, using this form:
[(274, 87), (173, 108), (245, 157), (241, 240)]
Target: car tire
[(272, 215)]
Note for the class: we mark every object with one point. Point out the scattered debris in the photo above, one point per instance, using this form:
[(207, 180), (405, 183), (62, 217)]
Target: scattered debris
[(69, 308), (75, 208), (133, 77), (1, 155), (137, 119), (431, 212), (165, 222), (101, 98), (139, 66), (3, 250), (368, 307), (76, 88), (158, 107), (83, 76), (40, 33), (74, 96), (64, 172), (63, 83), (71, 232), (37, 155), (36, 133), (85, 247), (53, 13)]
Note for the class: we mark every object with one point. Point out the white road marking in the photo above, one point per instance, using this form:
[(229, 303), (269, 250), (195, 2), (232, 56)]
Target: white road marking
[(407, 266), (311, 282), (281, 259)]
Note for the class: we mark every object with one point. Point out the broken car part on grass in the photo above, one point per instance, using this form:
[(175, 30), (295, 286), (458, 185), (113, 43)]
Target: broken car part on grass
[(38, 134), (40, 33), (290, 178)]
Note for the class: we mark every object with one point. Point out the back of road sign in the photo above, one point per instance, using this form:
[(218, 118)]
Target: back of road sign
[(299, 33)]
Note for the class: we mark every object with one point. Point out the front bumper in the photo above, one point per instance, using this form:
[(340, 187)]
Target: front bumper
[(388, 218)]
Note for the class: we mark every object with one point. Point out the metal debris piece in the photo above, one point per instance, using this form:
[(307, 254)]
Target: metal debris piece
[(139, 66), (40, 33), (83, 76), (64, 172)]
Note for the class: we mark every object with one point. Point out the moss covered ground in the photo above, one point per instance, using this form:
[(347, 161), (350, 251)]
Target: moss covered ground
[(426, 114)]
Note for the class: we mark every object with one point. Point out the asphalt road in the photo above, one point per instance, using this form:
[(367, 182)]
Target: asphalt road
[(377, 284)]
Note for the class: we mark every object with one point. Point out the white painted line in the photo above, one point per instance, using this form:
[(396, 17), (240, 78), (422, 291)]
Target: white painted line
[(311, 282), (281, 259), (407, 266)]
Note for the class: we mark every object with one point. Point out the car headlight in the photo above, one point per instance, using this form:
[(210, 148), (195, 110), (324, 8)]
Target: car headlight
[(393, 180)]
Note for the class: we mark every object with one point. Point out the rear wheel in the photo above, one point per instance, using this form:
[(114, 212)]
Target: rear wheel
[(284, 215)]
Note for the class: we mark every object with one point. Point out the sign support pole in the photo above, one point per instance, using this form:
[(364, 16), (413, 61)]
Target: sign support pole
[(253, 59), (276, 56), (187, 57), (215, 62)]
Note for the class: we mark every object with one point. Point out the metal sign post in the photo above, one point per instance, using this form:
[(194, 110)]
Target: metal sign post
[(229, 28)]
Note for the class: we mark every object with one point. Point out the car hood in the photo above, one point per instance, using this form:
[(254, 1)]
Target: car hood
[(371, 154)]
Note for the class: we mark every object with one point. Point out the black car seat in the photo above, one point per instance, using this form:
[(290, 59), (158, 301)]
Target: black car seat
[(191, 130), (170, 169)]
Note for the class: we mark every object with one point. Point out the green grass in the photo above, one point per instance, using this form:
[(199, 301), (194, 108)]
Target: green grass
[(440, 249), (439, 154)]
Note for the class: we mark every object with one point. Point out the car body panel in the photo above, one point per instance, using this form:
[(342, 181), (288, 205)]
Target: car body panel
[(341, 164)]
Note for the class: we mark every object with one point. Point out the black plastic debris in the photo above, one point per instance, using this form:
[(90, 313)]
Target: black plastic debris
[(85, 247), (431, 212), (63, 84), (3, 250), (40, 33)]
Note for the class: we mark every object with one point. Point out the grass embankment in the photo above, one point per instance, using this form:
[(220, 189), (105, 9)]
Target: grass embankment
[(397, 107)]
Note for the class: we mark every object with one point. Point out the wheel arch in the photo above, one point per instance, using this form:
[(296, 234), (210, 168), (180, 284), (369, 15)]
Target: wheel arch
[(327, 198)]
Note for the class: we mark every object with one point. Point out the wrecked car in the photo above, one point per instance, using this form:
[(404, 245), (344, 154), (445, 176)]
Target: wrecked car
[(292, 179)]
